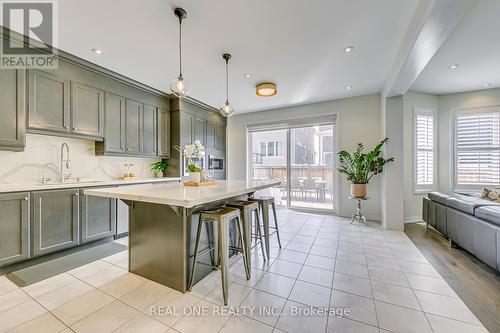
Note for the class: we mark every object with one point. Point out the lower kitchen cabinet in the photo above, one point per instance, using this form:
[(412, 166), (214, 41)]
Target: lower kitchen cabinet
[(55, 220), (98, 217), (14, 238)]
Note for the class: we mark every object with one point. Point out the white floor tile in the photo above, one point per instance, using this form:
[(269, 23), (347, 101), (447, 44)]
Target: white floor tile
[(398, 319), (310, 294), (60, 296), (89, 269), (47, 285), (344, 325), (146, 295), (13, 299), (395, 295), (45, 323), (105, 276), (297, 319), (142, 324), (195, 323), (430, 284), (388, 275), (445, 325), (285, 268), (81, 307), (293, 256), (6, 285), (346, 267), (316, 275), (276, 284), (107, 319), (266, 307), (19, 315), (242, 324), (352, 284), (170, 308), (320, 262), (360, 308), (123, 285), (236, 294)]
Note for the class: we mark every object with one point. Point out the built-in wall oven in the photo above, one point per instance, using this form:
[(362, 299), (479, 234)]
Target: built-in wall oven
[(216, 166)]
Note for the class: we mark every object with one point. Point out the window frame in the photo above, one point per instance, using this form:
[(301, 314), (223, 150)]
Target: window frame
[(467, 188), (424, 189)]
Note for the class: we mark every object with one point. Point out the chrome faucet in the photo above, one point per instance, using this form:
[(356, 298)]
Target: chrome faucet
[(64, 162), (45, 180)]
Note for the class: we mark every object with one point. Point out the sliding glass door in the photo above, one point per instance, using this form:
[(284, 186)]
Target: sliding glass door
[(302, 158)]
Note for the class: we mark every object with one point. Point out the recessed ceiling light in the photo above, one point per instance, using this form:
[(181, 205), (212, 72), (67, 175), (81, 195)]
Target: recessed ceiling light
[(248, 74), (348, 49), (97, 51), (348, 87), (454, 66), (487, 84), (266, 89)]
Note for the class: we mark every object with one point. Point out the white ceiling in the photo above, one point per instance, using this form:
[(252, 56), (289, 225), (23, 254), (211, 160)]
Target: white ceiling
[(297, 44), (475, 45)]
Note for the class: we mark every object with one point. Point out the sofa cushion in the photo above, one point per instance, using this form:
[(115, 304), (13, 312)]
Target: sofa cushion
[(440, 196), (467, 204), (489, 213)]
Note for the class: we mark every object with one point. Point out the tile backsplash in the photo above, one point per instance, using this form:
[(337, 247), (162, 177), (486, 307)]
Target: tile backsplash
[(26, 167)]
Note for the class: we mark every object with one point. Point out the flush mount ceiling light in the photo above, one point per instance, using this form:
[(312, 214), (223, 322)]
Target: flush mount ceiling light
[(227, 109), (266, 89), (97, 51), (454, 66), (348, 49), (180, 86)]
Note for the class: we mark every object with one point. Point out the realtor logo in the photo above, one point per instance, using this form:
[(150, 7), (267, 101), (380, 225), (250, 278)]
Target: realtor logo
[(30, 39)]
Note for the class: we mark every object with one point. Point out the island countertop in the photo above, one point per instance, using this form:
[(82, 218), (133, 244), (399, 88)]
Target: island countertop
[(176, 194)]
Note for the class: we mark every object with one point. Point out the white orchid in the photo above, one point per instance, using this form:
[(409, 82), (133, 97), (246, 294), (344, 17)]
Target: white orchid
[(194, 151)]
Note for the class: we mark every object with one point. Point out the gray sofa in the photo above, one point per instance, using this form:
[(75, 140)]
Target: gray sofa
[(468, 221)]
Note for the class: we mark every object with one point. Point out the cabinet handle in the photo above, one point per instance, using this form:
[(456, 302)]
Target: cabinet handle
[(74, 128), (66, 127), (76, 194), (26, 198)]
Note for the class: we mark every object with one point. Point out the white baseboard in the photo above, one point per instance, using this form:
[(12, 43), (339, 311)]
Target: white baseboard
[(413, 219)]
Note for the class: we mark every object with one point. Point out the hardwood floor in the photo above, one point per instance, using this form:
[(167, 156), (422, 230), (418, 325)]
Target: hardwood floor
[(475, 283)]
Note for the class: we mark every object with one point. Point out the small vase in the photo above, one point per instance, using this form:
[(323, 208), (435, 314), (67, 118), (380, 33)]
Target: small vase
[(358, 190), (158, 174), (195, 177)]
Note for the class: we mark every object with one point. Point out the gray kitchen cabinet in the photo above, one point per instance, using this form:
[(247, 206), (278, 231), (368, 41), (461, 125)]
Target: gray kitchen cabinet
[(12, 97), (98, 217), (87, 112), (55, 218), (114, 131), (149, 142), (187, 128), (220, 137), (163, 134), (199, 129), (14, 237), (133, 126), (48, 102), (210, 136)]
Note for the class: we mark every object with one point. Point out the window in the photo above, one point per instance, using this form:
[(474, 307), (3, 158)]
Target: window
[(271, 149), (477, 148), (424, 155)]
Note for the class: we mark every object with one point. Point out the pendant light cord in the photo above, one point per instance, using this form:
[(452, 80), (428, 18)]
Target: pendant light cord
[(180, 47), (227, 82)]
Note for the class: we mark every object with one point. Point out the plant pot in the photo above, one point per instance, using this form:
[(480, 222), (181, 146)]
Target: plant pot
[(158, 174), (195, 177), (358, 190)]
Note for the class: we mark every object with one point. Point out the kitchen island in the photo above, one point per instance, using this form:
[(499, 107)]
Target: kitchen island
[(163, 222)]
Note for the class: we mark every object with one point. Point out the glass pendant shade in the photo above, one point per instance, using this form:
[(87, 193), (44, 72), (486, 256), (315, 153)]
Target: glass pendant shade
[(180, 87), (226, 110)]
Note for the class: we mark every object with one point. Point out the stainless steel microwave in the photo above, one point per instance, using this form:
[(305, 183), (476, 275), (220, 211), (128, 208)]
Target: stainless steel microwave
[(215, 162)]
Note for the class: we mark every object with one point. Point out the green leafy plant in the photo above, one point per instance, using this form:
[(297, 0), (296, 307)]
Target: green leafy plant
[(360, 167), (193, 168), (159, 166)]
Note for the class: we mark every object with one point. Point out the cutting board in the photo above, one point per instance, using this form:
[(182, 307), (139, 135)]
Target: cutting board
[(207, 183)]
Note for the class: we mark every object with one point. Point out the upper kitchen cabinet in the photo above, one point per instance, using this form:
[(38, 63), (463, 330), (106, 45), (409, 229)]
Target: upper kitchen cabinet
[(49, 109), (186, 128), (150, 122), (163, 133), (114, 130), (133, 126), (87, 110), (220, 137), (200, 126), (12, 110)]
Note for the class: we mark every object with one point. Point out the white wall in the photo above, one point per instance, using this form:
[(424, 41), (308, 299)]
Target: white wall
[(412, 101), (448, 104), (26, 167), (358, 121)]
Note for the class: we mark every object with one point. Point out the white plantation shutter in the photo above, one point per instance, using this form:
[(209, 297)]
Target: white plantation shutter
[(424, 151), (477, 148)]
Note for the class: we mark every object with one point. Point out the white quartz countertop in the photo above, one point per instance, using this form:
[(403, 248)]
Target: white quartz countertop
[(8, 188), (176, 194)]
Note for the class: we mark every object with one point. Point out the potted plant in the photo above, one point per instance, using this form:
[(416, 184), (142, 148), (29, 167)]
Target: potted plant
[(192, 152), (159, 168), (360, 167)]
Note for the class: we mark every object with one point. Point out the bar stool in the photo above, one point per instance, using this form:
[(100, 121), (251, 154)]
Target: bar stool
[(220, 218), (247, 210), (264, 203)]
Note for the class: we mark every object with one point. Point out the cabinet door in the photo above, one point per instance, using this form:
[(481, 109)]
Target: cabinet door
[(87, 110), (149, 131), (187, 128), (210, 137), (98, 217), (12, 110), (55, 220), (48, 102), (114, 133), (220, 137), (199, 129), (14, 235), (163, 133), (133, 127)]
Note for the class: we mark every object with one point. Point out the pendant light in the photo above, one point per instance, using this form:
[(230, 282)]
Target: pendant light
[(180, 86), (227, 109)]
